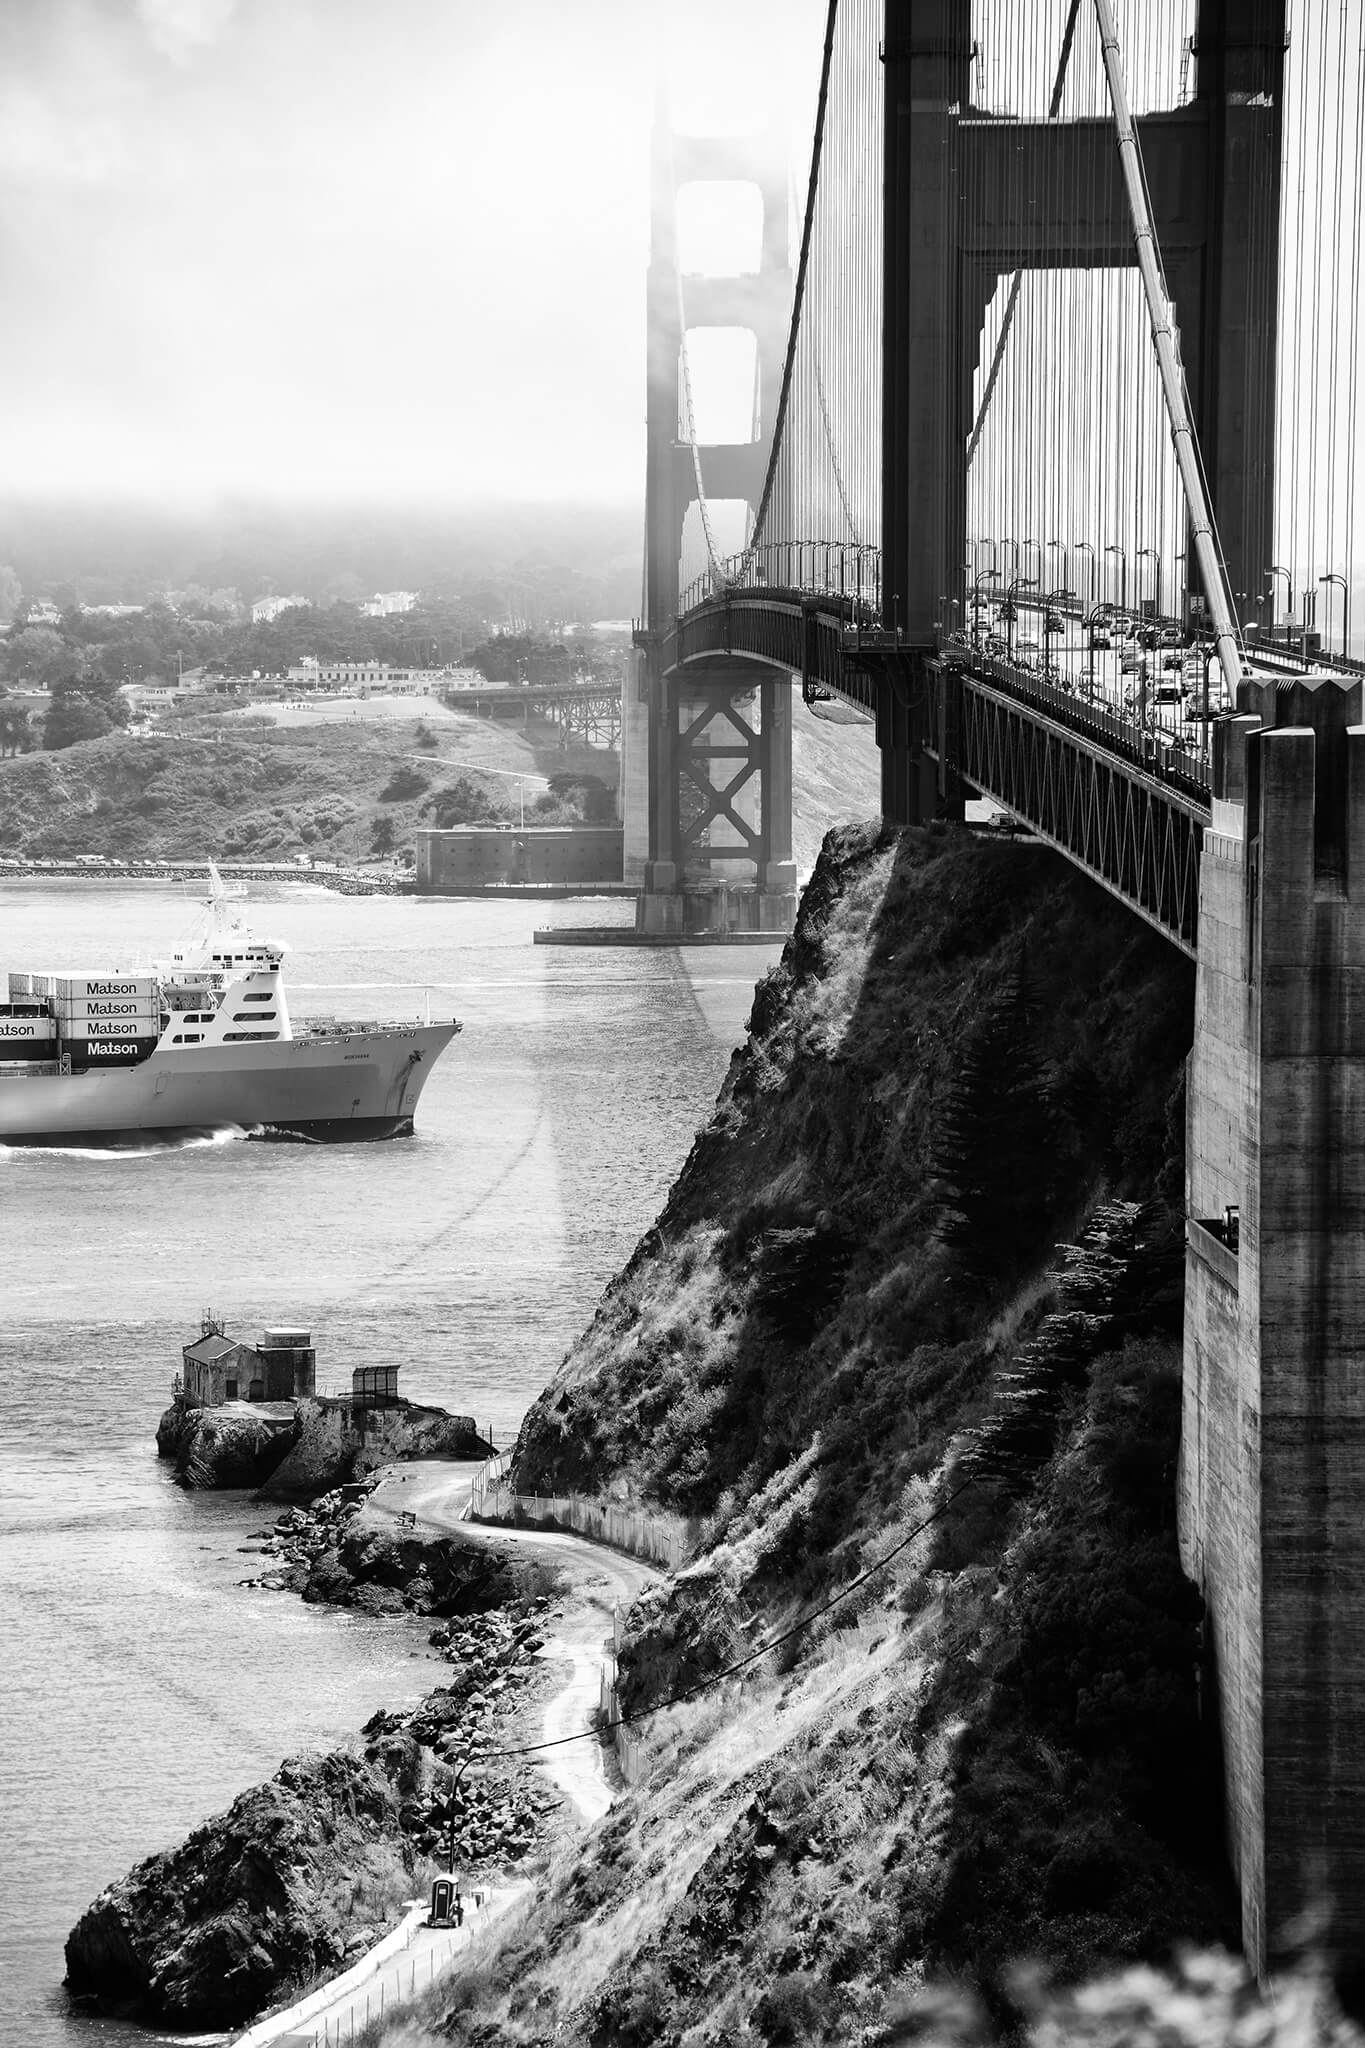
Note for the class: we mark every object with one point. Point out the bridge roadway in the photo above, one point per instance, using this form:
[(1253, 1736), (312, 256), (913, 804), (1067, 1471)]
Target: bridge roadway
[(590, 712), (1128, 802)]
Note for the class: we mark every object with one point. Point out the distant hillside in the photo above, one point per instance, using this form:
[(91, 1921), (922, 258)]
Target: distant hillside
[(255, 791)]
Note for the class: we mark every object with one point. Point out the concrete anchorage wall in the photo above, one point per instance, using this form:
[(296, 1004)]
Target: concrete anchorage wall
[(1272, 1489)]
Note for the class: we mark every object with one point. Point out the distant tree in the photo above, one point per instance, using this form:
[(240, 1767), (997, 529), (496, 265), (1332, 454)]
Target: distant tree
[(16, 727), (42, 656), (383, 835), (11, 594), (73, 716), (461, 804), (403, 783)]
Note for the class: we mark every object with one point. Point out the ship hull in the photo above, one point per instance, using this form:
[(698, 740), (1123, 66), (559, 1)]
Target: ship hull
[(353, 1086)]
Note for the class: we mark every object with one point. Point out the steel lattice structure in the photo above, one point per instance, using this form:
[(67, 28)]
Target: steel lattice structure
[(1128, 809)]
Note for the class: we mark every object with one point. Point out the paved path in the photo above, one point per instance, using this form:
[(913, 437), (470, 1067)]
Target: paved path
[(437, 1495), (333, 2019)]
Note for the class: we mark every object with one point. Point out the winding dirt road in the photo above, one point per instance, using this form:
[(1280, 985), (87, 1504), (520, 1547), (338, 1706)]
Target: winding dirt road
[(437, 1494)]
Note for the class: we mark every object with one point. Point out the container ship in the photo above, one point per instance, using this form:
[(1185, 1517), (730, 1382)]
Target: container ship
[(199, 1044)]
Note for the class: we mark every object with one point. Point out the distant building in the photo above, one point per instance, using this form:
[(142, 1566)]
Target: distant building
[(215, 1368), (365, 678), (385, 603), (42, 614), (112, 611), (463, 679), (265, 609)]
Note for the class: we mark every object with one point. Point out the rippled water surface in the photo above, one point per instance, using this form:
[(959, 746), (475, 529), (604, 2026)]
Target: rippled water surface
[(144, 1686)]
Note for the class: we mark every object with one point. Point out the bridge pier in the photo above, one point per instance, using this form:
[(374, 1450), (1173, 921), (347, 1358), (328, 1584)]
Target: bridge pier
[(720, 805), (1272, 1474)]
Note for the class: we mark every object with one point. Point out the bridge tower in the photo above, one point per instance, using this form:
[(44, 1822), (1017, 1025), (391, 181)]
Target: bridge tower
[(969, 200), (1272, 1478), (706, 747)]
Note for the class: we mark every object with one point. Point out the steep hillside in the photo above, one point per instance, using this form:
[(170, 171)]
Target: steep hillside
[(904, 1347)]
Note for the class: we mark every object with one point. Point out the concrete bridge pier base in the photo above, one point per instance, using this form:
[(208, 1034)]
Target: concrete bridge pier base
[(1272, 1469)]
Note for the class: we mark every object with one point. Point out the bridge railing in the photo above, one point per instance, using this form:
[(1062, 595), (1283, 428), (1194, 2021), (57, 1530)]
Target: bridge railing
[(1146, 716), (813, 567)]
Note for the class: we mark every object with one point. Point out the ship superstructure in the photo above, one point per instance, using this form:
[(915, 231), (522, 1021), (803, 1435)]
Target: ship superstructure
[(201, 1042)]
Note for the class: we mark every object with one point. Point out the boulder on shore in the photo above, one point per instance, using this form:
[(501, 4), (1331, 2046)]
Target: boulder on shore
[(222, 1447)]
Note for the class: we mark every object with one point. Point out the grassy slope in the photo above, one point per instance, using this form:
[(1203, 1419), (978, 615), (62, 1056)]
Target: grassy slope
[(256, 792), (262, 793), (991, 1751)]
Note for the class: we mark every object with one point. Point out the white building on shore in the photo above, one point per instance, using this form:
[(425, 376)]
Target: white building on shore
[(366, 678)]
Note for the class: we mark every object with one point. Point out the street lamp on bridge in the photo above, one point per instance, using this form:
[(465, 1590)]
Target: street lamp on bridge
[(1062, 545), (1272, 572), (1332, 577), (979, 603), (1011, 608), (1114, 549), (1156, 560), (1088, 547)]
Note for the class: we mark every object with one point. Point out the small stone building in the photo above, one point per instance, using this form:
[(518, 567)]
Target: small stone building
[(215, 1369)]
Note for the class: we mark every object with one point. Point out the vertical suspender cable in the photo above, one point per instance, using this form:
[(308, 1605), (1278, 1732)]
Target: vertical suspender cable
[(1172, 378)]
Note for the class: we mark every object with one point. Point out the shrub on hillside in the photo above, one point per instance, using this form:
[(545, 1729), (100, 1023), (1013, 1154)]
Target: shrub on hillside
[(403, 783)]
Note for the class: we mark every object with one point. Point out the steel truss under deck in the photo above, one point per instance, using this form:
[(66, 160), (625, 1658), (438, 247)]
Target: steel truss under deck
[(1129, 810)]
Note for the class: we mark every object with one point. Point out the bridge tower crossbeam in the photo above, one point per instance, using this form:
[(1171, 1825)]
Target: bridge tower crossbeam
[(1043, 196)]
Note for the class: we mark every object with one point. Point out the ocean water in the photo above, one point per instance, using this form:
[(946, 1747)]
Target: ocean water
[(143, 1685)]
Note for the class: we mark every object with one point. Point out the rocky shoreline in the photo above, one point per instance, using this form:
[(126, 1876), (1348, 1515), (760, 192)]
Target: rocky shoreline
[(300, 1874)]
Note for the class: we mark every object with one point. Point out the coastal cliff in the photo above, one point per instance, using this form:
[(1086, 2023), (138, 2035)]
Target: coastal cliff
[(904, 1348)]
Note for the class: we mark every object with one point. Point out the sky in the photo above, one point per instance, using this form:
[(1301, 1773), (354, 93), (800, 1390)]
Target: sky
[(347, 250)]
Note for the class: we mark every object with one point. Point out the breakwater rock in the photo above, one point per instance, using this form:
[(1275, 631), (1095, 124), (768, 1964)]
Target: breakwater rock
[(238, 1446), (302, 1873)]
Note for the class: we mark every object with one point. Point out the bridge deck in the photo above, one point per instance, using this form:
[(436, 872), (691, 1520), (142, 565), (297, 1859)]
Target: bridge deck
[(1126, 805)]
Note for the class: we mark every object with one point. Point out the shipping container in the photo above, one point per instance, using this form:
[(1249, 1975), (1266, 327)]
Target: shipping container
[(80, 1009), (109, 1052), (26, 1031), (20, 985), (91, 1028), (140, 987)]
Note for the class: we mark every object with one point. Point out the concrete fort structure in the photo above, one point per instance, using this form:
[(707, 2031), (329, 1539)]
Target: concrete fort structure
[(1272, 1480)]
